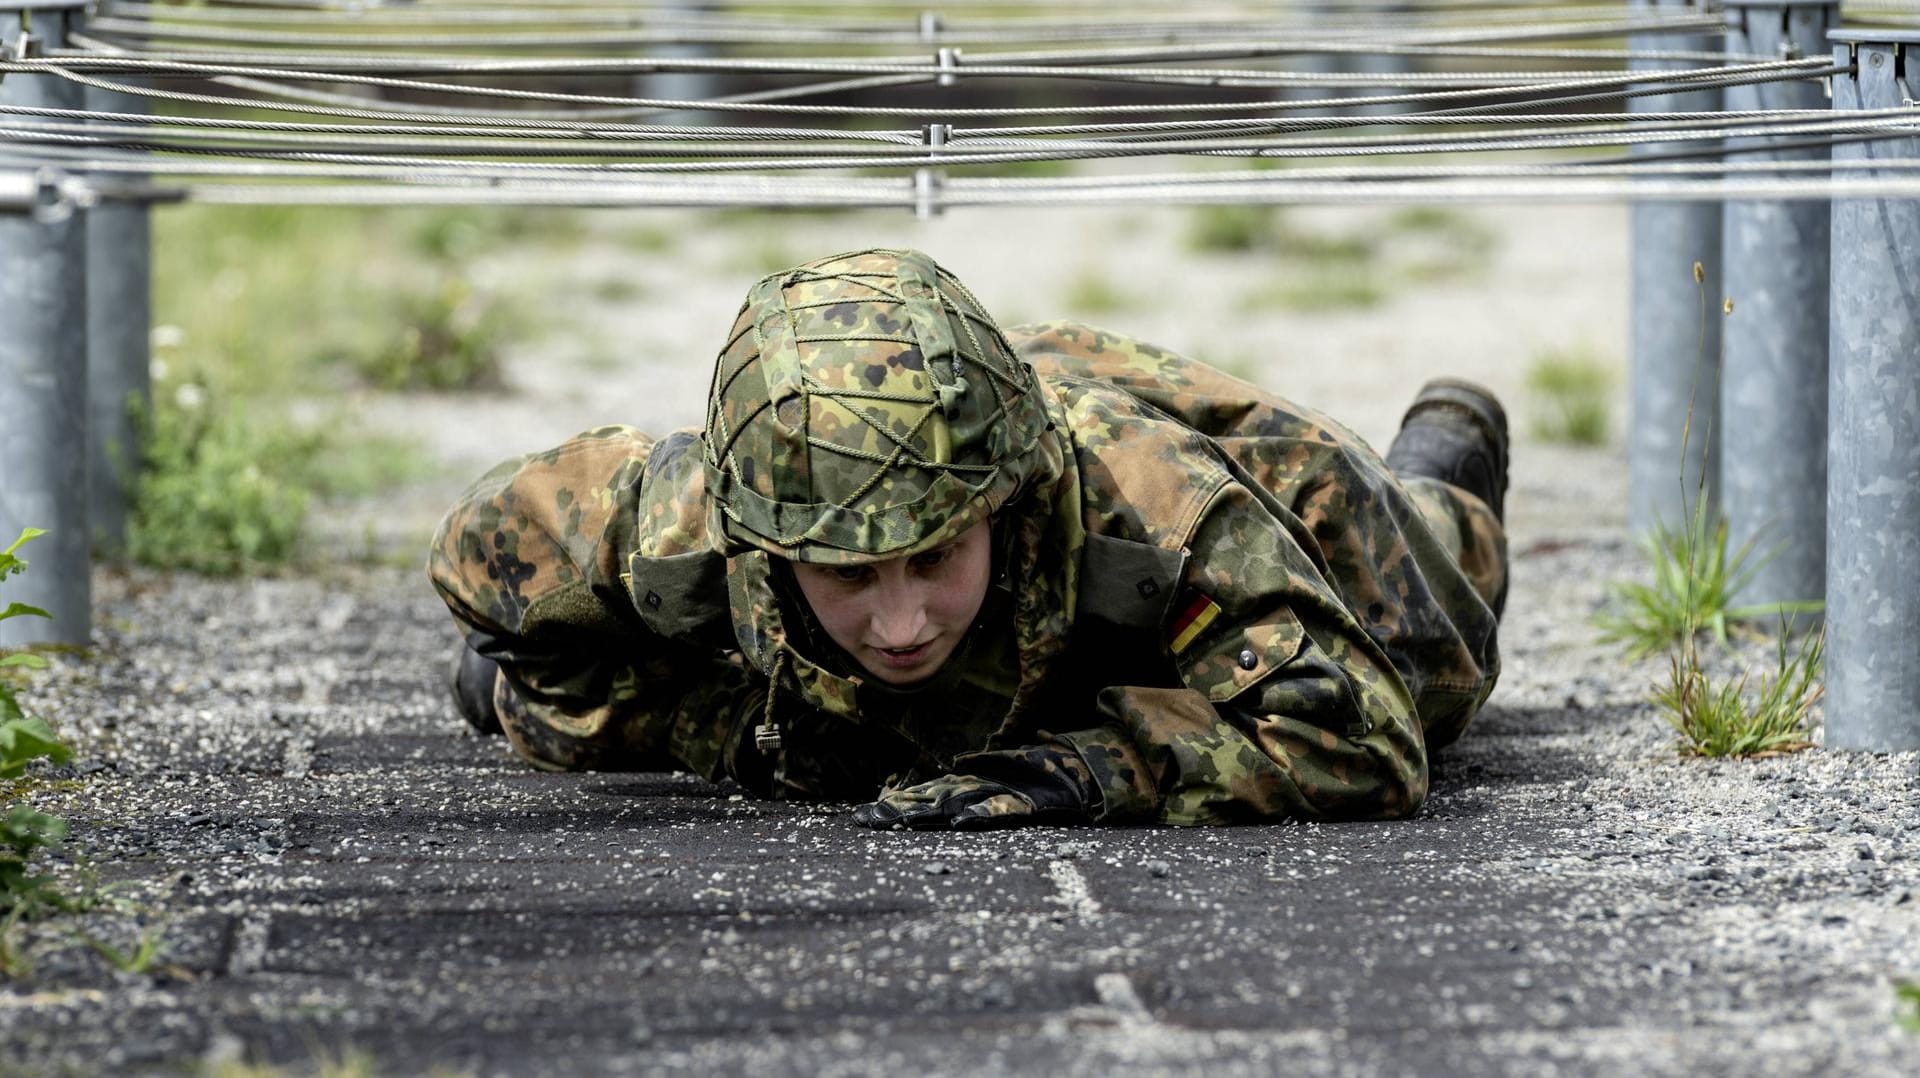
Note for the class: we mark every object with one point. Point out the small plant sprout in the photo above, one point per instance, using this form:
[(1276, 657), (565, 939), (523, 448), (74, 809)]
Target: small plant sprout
[(1718, 718), (1906, 1000), (1571, 390), (1694, 582), (1695, 579)]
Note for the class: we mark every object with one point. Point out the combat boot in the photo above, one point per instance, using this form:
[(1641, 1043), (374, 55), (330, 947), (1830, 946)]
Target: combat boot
[(1455, 432), (471, 680)]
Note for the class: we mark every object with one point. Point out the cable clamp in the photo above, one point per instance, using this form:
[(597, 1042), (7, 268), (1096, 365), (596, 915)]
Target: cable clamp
[(929, 26), (947, 59), (926, 181), (24, 47), (50, 195)]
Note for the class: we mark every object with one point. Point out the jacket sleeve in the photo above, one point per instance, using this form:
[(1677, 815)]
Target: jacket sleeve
[(530, 563), (1285, 706)]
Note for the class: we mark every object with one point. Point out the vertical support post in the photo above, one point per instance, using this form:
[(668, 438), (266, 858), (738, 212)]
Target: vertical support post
[(1873, 441), (1672, 350), (1773, 384), (681, 85), (119, 320), (43, 378)]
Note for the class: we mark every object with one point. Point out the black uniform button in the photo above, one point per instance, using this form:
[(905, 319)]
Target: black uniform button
[(653, 600), (1248, 660)]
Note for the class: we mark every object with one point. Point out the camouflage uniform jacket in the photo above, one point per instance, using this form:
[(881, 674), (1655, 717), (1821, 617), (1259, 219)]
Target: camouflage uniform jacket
[(1220, 602)]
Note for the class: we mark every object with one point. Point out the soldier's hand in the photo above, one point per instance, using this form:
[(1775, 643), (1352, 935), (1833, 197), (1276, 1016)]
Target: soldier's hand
[(1014, 788)]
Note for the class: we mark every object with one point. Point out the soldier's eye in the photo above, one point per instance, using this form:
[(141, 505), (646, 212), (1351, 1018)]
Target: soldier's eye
[(848, 574), (928, 559)]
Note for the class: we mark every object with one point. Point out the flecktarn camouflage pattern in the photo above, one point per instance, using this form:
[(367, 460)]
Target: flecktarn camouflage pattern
[(864, 407), (1331, 622)]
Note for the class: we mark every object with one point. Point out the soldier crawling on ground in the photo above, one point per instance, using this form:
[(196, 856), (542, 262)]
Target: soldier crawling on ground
[(982, 579)]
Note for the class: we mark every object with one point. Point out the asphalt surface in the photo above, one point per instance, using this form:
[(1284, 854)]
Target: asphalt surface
[(269, 767)]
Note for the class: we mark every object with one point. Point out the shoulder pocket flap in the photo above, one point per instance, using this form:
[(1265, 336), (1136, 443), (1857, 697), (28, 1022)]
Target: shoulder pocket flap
[(1243, 657), (682, 596), (1127, 584)]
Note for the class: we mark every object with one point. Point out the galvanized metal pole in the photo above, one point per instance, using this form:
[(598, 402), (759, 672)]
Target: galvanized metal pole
[(680, 85), (1773, 381), (1675, 360), (119, 320), (43, 374), (1873, 445)]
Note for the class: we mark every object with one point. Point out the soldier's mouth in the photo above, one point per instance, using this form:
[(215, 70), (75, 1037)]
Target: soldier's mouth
[(901, 658)]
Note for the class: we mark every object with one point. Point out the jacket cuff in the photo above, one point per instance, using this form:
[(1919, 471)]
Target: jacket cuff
[(1118, 773)]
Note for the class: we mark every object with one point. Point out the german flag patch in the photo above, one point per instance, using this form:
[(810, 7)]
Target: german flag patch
[(1197, 611)]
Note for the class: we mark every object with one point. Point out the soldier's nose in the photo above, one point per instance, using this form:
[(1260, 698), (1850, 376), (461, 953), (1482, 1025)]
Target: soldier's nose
[(898, 625)]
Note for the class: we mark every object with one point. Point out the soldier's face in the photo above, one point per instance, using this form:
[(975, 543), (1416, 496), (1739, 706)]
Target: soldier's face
[(902, 619)]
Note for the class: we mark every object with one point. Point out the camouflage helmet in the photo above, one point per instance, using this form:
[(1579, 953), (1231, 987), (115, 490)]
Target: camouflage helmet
[(865, 407)]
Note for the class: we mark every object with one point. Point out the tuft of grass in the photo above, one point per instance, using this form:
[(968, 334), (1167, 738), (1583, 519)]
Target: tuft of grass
[(1906, 1001), (1335, 287), (617, 290), (219, 493), (1571, 395), (1694, 582), (1231, 227), (1695, 578), (446, 338), (650, 239), (1717, 717), (1093, 292)]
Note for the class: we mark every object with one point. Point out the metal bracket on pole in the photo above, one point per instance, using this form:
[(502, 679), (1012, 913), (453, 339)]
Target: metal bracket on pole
[(927, 181), (1873, 428), (48, 194)]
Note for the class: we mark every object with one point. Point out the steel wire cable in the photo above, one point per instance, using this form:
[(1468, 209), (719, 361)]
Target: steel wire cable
[(981, 151), (1681, 80), (973, 68), (76, 158), (1264, 48), (590, 137), (1903, 126), (457, 112), (601, 14), (919, 69), (585, 133), (902, 197), (1483, 30)]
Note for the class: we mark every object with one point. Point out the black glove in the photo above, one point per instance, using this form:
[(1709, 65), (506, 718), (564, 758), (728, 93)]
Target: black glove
[(472, 684), (1043, 784)]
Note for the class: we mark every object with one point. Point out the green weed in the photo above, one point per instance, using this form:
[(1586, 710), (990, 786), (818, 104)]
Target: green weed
[(1695, 578), (1446, 245), (1231, 227), (446, 338), (23, 740), (141, 956), (1334, 287), (1715, 717), (219, 493), (1093, 292), (1906, 1001), (617, 290), (1571, 396), (1694, 581), (273, 301)]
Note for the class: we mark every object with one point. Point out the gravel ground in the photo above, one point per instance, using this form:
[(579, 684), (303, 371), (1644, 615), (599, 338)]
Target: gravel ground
[(269, 767)]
